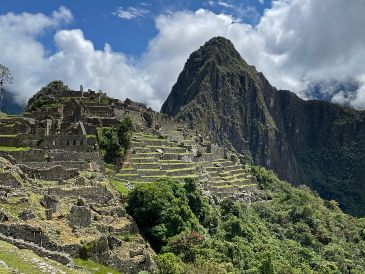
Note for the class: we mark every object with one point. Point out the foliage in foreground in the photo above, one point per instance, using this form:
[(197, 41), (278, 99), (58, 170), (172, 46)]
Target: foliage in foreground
[(115, 141), (292, 231)]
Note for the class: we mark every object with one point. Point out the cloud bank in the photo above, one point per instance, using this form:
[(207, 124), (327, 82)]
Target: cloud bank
[(297, 44)]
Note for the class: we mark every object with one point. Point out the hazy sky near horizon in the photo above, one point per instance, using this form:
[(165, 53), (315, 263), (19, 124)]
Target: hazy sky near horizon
[(136, 49)]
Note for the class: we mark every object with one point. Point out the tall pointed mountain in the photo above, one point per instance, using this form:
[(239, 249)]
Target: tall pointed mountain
[(305, 142)]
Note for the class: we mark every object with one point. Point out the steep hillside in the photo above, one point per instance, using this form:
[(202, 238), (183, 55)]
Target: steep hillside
[(311, 142), (292, 231)]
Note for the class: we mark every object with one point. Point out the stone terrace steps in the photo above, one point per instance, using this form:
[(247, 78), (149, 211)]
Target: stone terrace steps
[(155, 157)]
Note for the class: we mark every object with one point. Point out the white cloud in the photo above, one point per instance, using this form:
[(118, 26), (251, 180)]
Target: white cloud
[(296, 44), (225, 4), (131, 12), (242, 11)]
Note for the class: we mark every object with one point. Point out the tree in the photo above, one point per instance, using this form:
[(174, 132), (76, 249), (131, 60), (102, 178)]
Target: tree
[(5, 76), (125, 131)]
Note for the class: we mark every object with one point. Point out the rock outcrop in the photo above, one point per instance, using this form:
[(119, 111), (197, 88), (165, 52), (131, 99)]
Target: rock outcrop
[(305, 142)]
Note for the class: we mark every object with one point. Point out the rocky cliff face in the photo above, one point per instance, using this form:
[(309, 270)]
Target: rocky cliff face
[(310, 142)]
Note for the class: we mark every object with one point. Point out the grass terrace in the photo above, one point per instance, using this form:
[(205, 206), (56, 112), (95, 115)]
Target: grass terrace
[(5, 148)]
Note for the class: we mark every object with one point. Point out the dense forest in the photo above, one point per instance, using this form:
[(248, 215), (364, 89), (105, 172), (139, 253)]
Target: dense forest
[(289, 230)]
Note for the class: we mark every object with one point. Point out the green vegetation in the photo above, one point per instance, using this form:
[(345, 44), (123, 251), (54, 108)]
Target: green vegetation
[(115, 141), (338, 173), (162, 211), (4, 148), (291, 230), (40, 99), (119, 186), (15, 260), (94, 267)]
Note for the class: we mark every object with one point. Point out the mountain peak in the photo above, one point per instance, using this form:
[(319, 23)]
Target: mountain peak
[(219, 48), (210, 63), (219, 42), (220, 94)]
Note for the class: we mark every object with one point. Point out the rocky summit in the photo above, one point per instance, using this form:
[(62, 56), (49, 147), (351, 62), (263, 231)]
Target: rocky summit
[(305, 142)]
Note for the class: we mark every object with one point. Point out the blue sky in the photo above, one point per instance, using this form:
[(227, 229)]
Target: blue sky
[(136, 49), (101, 24)]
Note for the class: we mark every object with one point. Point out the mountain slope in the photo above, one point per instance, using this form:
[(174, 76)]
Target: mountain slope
[(310, 142)]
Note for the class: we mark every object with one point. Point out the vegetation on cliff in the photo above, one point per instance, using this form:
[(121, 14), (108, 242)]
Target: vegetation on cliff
[(47, 95), (292, 231), (115, 141), (54, 95)]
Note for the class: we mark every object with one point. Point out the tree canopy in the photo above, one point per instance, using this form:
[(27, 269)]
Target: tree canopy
[(293, 230)]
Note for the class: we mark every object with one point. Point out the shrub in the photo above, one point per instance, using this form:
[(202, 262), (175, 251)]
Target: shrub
[(168, 263), (125, 131), (184, 245), (115, 141), (161, 210)]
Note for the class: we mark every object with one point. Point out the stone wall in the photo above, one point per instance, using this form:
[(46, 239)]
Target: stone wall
[(81, 165), (26, 155), (64, 155), (9, 140), (14, 128), (72, 142), (101, 110), (32, 234), (92, 194), (8, 179), (40, 251), (44, 113), (50, 174)]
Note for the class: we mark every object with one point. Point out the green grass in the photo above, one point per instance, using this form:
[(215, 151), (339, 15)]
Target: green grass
[(27, 262), (149, 169), (162, 147), (178, 163), (127, 168), (178, 153), (120, 187), (172, 177), (4, 148), (126, 174), (157, 139), (94, 267), (184, 176), (249, 185), (170, 161), (156, 176), (181, 169)]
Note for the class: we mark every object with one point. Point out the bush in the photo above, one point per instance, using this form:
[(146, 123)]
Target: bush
[(161, 210), (125, 131), (184, 245), (115, 141), (109, 144), (168, 263)]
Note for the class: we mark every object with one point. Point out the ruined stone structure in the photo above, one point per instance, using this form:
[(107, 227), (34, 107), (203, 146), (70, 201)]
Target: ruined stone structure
[(57, 201)]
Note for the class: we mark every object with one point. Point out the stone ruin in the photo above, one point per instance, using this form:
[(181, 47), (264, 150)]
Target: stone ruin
[(58, 160)]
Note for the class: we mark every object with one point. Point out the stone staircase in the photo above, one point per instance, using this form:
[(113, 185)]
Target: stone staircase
[(177, 154)]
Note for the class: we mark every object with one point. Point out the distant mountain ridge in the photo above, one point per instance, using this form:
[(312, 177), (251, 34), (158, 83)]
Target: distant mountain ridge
[(8, 104), (305, 142)]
